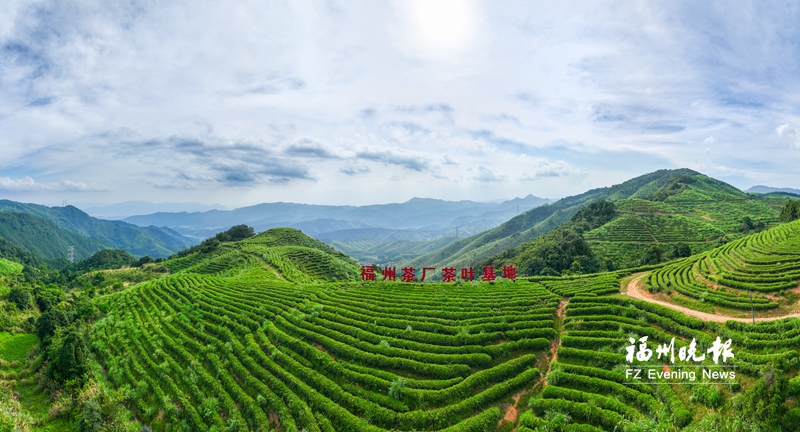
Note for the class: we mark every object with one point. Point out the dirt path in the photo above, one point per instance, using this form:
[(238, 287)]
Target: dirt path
[(560, 314), (512, 412), (556, 343), (635, 291), (269, 267)]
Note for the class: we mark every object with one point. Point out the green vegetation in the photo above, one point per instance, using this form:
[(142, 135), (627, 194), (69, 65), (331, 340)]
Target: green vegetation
[(46, 231), (43, 238), (104, 260), (762, 264), (379, 250), (539, 221), (666, 209), (332, 355), (8, 268), (790, 211), (563, 250), (588, 384), (275, 332)]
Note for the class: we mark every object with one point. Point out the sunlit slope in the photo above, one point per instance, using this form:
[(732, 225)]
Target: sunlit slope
[(766, 264), (287, 253), (588, 382), (254, 353), (692, 210), (587, 388), (539, 221), (8, 268), (689, 209)]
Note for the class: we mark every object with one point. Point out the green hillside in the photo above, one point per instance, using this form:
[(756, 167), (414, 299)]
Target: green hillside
[(139, 241), (696, 211), (540, 220), (286, 253), (688, 211), (8, 268), (253, 334), (44, 238), (104, 259), (250, 351), (766, 264)]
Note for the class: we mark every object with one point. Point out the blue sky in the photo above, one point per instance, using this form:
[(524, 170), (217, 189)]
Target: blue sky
[(370, 102)]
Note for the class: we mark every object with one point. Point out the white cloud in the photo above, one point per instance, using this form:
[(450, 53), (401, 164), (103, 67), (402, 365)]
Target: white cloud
[(28, 184), (788, 133), (427, 87), (540, 169), (486, 175), (785, 130)]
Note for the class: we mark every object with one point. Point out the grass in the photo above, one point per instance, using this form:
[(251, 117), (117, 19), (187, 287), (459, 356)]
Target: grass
[(9, 267), (31, 410), (13, 347)]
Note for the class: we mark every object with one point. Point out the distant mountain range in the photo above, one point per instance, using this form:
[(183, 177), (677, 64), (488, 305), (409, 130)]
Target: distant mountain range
[(133, 208), (767, 189), (383, 232)]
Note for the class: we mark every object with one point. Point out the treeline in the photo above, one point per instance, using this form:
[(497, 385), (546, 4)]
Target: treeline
[(563, 250), (790, 211), (236, 233)]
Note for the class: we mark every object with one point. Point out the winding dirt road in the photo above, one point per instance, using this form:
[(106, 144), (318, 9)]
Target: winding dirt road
[(634, 290)]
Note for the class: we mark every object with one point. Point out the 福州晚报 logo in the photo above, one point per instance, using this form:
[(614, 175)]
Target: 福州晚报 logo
[(690, 353), (690, 358)]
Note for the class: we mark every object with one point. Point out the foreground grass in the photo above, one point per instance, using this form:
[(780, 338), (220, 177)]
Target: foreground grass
[(23, 406)]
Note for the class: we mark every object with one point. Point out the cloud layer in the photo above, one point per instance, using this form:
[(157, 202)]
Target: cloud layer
[(361, 102)]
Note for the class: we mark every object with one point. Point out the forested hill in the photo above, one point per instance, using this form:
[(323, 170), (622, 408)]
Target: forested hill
[(41, 237), (681, 201), (139, 241)]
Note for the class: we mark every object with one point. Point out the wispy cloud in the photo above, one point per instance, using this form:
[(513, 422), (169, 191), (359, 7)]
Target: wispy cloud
[(280, 100), (541, 169), (28, 184), (355, 170), (415, 163), (486, 175), (306, 147)]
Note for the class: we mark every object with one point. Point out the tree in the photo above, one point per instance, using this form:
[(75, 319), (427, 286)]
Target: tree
[(71, 363), (762, 404), (652, 255), (236, 233), (681, 251), (593, 215), (142, 261), (47, 297), (790, 211), (396, 388), (48, 322), (91, 417), (20, 297)]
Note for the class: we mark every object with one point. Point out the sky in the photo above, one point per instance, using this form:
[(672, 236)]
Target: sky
[(365, 102)]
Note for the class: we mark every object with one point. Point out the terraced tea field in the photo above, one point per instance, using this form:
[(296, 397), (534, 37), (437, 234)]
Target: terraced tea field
[(765, 265), (677, 221), (251, 336), (250, 353)]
